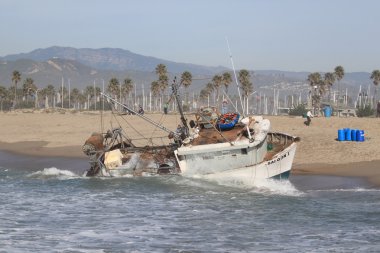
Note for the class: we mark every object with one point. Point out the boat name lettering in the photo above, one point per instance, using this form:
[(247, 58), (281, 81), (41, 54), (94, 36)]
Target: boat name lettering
[(278, 158)]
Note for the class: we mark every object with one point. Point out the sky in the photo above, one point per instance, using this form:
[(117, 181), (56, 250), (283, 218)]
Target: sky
[(288, 35)]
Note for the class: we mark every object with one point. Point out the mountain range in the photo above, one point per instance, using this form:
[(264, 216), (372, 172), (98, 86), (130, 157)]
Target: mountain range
[(83, 67)]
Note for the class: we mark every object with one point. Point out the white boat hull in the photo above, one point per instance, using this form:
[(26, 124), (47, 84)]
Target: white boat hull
[(278, 167)]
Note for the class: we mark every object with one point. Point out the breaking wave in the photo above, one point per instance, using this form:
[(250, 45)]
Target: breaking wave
[(54, 173), (262, 186)]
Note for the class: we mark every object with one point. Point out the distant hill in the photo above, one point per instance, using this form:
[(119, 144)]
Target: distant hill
[(52, 71), (112, 59)]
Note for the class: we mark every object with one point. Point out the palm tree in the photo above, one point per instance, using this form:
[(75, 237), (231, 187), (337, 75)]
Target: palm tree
[(82, 99), (217, 82), (43, 95), (246, 85), (29, 88), (329, 81), (162, 82), (318, 89), (114, 87), (50, 92), (127, 87), (74, 96), (226, 80), (161, 70), (3, 96), (375, 76), (339, 74), (65, 94), (206, 92), (163, 79), (16, 77), (155, 89), (210, 87), (186, 79), (89, 92)]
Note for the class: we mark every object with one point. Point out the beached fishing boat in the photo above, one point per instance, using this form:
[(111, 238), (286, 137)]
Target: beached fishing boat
[(247, 151)]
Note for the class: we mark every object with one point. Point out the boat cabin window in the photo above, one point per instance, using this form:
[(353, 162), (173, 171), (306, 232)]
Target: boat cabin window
[(244, 151)]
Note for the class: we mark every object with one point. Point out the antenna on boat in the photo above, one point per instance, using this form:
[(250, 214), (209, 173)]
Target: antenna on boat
[(236, 80)]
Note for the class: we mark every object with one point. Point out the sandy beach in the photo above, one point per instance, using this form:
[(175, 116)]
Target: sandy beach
[(62, 133)]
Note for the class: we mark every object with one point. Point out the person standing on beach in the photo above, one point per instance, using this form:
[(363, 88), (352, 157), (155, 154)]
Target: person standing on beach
[(309, 115), (378, 110), (224, 106), (166, 108)]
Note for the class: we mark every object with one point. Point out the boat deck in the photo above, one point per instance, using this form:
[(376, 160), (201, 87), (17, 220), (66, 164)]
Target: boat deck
[(212, 136)]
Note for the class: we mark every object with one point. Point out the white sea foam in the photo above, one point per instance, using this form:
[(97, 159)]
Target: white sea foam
[(278, 187), (262, 186), (53, 173)]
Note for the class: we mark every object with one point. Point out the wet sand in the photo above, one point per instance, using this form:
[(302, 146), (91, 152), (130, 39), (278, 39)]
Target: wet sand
[(62, 134)]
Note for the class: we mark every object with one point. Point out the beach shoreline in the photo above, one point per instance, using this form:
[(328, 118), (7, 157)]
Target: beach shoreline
[(62, 134)]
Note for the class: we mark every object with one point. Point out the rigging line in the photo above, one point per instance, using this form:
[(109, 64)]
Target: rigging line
[(219, 132), (114, 115), (229, 99), (236, 80), (138, 114), (101, 121), (116, 120), (131, 126), (149, 140), (154, 130)]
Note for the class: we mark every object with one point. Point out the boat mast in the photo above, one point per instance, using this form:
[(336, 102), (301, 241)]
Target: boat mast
[(177, 98)]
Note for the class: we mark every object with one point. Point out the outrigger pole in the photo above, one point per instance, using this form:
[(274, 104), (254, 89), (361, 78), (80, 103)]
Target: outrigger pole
[(138, 114), (236, 80)]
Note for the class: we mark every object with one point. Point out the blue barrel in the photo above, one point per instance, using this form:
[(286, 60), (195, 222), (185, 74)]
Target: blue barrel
[(327, 111), (341, 136), (360, 135), (353, 135), (348, 134)]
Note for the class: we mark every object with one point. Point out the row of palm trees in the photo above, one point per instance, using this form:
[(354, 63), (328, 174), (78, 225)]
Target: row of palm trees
[(62, 97), (322, 85), (225, 79), (76, 98)]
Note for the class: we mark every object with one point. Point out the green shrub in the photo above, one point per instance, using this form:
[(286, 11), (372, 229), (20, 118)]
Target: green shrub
[(300, 110), (365, 111), (25, 105), (186, 108)]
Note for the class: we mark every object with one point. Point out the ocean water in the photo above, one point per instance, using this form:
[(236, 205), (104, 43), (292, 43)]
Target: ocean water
[(57, 209)]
